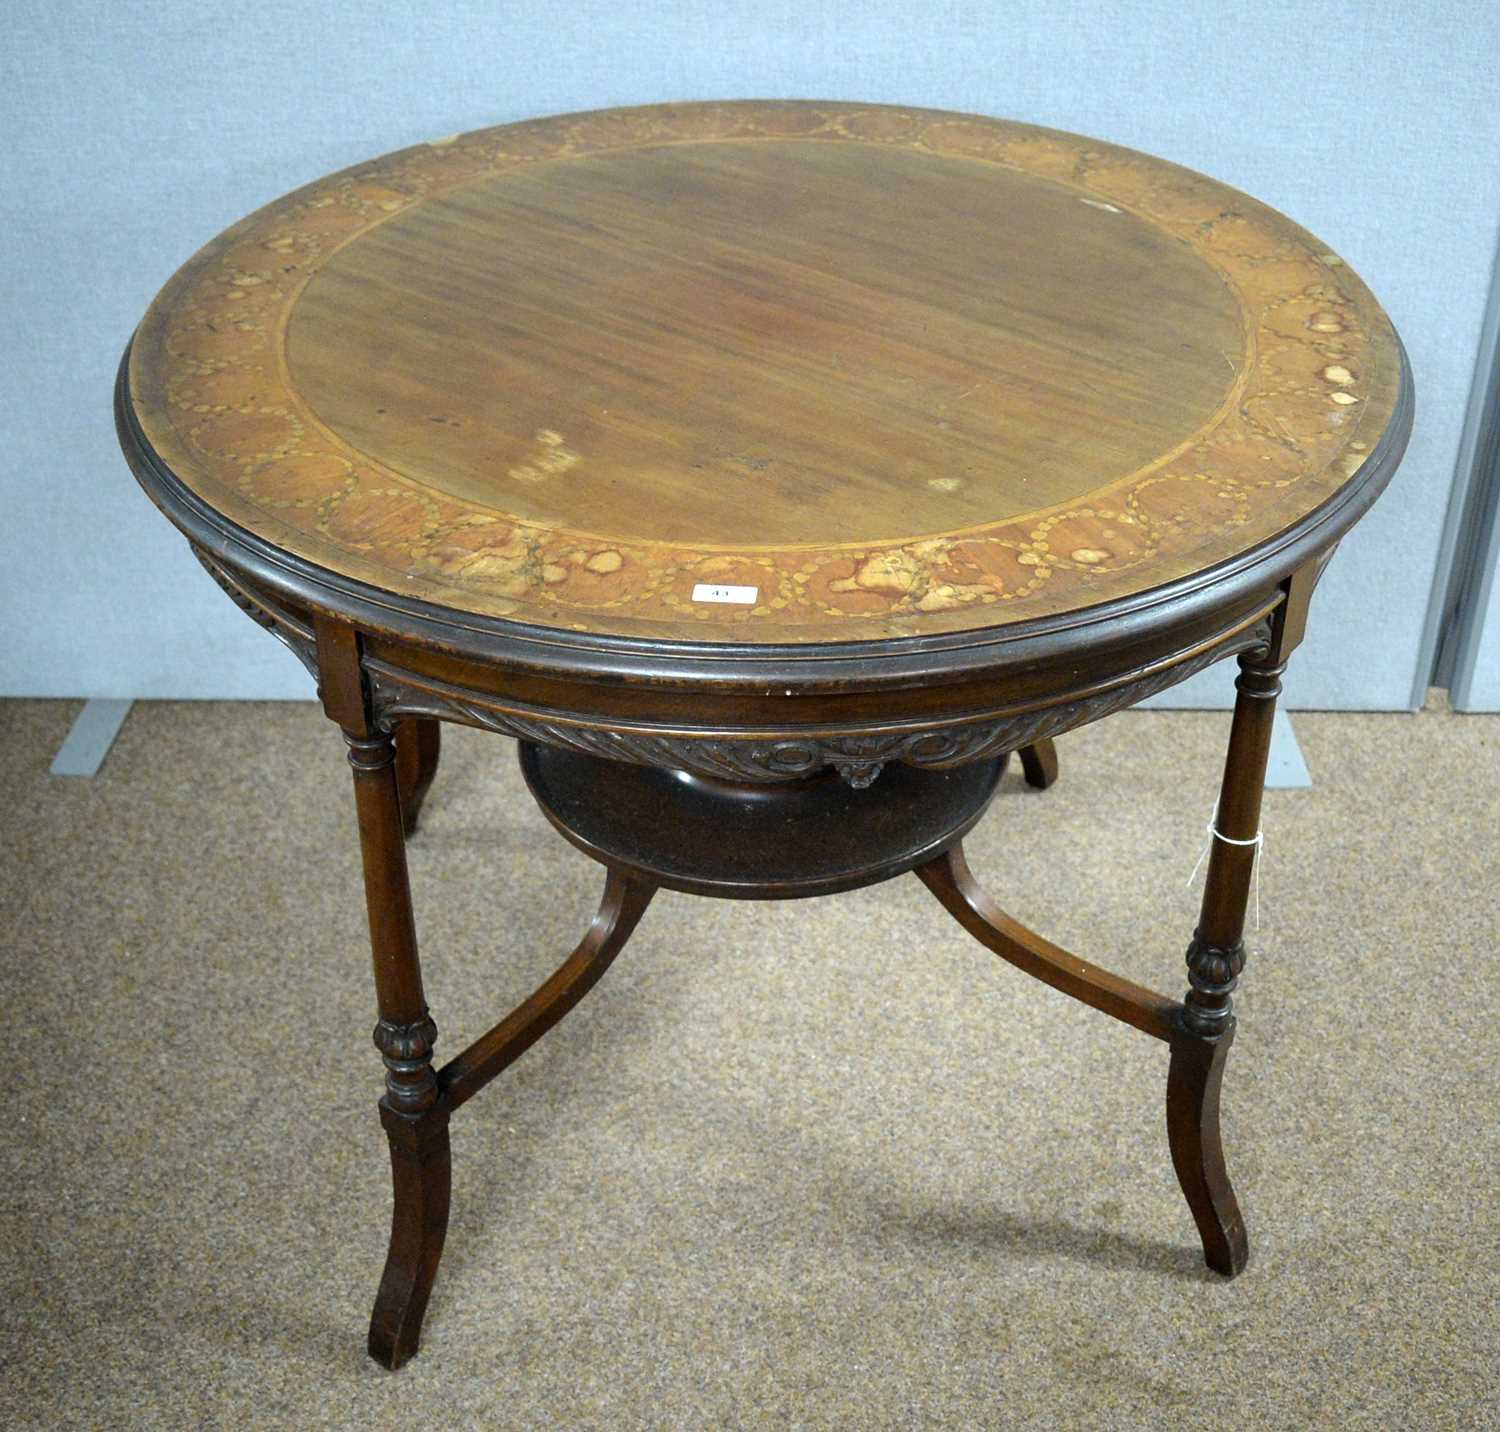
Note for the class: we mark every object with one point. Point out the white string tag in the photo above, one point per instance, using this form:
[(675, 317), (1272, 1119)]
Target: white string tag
[(1213, 833)]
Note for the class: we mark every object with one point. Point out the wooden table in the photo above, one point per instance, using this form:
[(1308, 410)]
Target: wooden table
[(771, 472)]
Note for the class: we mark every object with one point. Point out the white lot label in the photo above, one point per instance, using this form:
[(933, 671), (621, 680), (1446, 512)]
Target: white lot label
[(707, 592)]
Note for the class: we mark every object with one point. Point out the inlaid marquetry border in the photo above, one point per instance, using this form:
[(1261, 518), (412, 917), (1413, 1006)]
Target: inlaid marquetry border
[(213, 398)]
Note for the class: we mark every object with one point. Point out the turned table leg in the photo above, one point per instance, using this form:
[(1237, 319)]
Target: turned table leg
[(1200, 1030), (419, 744), (1039, 763), (415, 1119), (418, 1100), (412, 1110), (1215, 958)]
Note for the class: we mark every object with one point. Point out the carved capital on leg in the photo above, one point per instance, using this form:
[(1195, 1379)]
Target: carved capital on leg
[(1213, 973), (370, 753), (410, 1084)]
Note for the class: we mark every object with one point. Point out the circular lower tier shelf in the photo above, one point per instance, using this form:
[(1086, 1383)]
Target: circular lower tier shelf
[(759, 842)]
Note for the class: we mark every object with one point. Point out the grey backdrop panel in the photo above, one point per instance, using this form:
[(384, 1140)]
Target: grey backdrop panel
[(1477, 688), (135, 132), (1476, 674), (1472, 645)]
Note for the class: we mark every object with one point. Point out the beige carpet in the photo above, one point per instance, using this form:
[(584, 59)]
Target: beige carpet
[(816, 1164)]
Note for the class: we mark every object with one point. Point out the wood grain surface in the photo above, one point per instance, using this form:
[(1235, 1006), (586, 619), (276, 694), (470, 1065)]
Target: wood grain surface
[(877, 372)]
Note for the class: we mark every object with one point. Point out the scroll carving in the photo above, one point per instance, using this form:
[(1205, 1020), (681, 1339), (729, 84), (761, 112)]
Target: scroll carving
[(292, 634), (857, 756)]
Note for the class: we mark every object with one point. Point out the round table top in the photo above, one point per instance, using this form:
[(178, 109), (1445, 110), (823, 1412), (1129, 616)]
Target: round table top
[(765, 373)]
